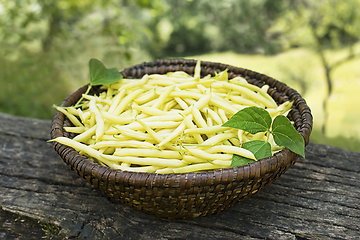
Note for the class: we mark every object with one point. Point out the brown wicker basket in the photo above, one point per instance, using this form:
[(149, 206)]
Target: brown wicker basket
[(188, 195)]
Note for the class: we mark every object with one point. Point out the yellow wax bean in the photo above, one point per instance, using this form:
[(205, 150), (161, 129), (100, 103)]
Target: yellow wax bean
[(119, 119), (149, 169), (263, 90), (161, 82), (174, 134), (167, 78), (100, 125), (235, 142), (164, 170), (242, 100), (74, 129), (150, 131), (240, 136), (249, 93), (85, 135), (230, 150), (123, 144), (151, 111), (202, 88), (197, 70), (148, 153), (92, 120), (193, 159), (207, 130), (116, 100), (213, 115), (72, 111), (122, 82), (203, 154), (85, 116), (203, 101), (71, 117), (145, 97), (163, 118), (114, 137), (81, 115), (122, 105), (217, 138), (161, 162), (78, 146), (209, 122), (134, 134), (187, 85), (222, 115), (152, 124), (185, 94), (178, 74), (157, 112), (109, 93), (169, 105), (181, 102), (199, 120), (258, 136), (109, 150), (160, 101), (223, 104), (190, 125), (200, 167), (97, 99), (222, 164), (134, 84)]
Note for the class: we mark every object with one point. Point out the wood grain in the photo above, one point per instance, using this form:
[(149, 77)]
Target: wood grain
[(318, 198)]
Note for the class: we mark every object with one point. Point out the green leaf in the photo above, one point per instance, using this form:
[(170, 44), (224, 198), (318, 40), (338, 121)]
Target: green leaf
[(286, 135), (260, 149), (250, 119), (99, 74), (238, 160)]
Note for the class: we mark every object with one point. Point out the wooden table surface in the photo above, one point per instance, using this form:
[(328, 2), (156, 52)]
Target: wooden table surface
[(317, 198)]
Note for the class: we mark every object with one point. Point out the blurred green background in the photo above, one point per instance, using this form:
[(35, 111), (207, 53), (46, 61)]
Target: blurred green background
[(313, 46)]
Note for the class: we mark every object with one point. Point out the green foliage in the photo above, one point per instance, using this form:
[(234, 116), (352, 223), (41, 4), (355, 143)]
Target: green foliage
[(242, 26), (50, 230), (286, 135), (30, 85), (320, 24), (250, 119), (99, 74), (254, 120), (238, 160), (260, 149)]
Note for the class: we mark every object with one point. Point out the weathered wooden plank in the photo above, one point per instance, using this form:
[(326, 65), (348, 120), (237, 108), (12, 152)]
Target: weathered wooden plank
[(318, 198)]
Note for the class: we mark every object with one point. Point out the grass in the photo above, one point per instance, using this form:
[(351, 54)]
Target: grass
[(301, 70)]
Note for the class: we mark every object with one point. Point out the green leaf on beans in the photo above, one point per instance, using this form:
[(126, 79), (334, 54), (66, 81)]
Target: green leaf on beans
[(285, 135), (238, 160), (99, 74), (260, 149), (250, 119)]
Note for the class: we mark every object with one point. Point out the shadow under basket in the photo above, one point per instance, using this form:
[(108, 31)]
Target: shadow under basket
[(188, 195)]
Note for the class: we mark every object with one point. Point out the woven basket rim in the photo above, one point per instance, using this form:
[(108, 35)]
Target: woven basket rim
[(246, 172)]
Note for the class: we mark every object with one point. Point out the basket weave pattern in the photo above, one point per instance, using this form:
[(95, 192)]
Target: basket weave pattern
[(187, 195)]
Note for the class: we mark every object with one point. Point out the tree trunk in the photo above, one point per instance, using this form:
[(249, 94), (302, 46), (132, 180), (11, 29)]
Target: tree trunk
[(54, 29), (328, 93)]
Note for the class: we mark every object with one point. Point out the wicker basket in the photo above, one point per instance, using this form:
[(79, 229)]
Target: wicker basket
[(188, 195)]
